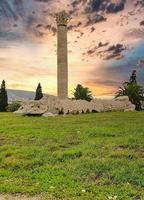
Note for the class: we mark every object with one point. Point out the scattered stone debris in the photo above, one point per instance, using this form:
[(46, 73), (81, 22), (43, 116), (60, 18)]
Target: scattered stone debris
[(50, 106), (49, 114)]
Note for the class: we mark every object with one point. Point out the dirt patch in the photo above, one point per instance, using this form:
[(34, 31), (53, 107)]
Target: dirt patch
[(18, 197), (23, 197)]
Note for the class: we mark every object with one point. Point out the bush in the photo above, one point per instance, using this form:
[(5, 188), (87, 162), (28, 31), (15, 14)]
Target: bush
[(14, 106)]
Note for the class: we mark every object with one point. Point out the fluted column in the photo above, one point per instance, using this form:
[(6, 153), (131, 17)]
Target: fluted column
[(62, 55)]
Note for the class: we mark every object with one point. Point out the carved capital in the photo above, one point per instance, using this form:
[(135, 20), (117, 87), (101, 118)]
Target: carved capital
[(62, 18)]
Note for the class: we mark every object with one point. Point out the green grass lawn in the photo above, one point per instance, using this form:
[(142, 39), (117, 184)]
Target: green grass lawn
[(76, 157)]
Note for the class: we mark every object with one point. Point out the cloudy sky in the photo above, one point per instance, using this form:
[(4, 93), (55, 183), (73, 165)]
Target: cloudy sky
[(105, 42)]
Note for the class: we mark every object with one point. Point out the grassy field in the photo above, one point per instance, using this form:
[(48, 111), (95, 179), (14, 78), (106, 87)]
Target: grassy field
[(80, 157)]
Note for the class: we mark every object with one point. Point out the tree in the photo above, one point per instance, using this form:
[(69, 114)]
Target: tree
[(133, 77), (82, 93), (133, 90), (3, 97), (39, 93)]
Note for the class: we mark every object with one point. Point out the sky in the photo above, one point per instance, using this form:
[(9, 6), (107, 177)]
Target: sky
[(105, 43)]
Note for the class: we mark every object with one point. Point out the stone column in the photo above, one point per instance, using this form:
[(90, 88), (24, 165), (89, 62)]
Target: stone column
[(62, 55)]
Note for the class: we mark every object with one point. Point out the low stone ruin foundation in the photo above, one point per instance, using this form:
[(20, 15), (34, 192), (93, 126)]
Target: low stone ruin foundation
[(51, 106)]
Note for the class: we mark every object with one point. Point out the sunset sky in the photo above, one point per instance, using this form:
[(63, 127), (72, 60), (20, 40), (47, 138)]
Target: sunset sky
[(105, 42)]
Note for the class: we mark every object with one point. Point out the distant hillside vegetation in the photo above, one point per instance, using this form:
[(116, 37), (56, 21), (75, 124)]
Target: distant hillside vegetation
[(19, 95)]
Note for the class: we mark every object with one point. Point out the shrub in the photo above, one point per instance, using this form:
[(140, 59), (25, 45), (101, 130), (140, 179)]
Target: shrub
[(14, 106)]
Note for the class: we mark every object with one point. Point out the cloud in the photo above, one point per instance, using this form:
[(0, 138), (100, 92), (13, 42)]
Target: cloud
[(115, 51), (97, 10), (116, 7), (104, 6), (93, 5), (71, 27), (7, 10), (19, 8), (112, 52), (26, 36), (21, 17), (114, 83), (43, 1), (11, 36), (106, 79), (114, 74), (139, 3), (75, 3), (95, 19), (135, 33), (142, 23)]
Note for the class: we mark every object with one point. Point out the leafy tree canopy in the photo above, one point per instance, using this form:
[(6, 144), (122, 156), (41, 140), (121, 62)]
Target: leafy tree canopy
[(83, 93), (133, 90)]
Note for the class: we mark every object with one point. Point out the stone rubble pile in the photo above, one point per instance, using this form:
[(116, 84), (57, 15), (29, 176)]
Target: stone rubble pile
[(51, 106)]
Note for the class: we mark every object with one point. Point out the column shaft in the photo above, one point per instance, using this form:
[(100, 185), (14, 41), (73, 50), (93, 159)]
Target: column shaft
[(62, 61)]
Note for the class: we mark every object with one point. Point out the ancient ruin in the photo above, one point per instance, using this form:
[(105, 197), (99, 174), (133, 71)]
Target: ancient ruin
[(51, 105), (62, 55)]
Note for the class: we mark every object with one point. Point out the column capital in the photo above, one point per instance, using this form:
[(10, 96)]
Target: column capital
[(62, 18)]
